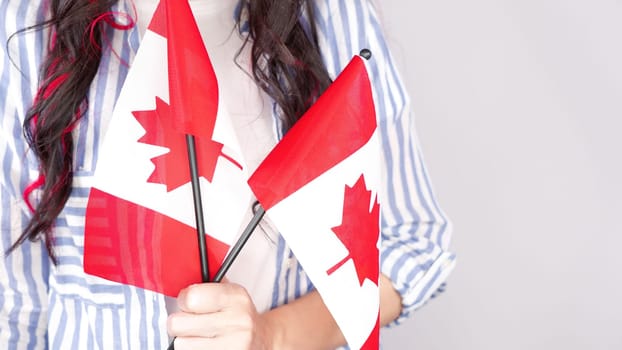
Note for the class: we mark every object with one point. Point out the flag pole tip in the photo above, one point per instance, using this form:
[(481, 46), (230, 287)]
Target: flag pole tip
[(366, 54)]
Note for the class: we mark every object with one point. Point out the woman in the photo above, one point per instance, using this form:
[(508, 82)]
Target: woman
[(82, 52)]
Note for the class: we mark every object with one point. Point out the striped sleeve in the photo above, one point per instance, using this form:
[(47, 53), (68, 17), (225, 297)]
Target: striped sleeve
[(24, 273), (415, 231)]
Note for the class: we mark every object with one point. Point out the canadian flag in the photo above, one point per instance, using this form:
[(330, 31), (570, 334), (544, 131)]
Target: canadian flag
[(319, 187), (140, 223)]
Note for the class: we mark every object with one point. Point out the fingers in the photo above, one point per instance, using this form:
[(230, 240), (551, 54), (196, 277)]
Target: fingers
[(213, 310), (212, 297), (209, 325), (236, 340), (195, 325)]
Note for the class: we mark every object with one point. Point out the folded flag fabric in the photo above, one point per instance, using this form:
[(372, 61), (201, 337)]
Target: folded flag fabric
[(319, 187), (140, 224)]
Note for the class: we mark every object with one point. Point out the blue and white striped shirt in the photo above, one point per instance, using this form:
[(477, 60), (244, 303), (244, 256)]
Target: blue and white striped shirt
[(43, 306)]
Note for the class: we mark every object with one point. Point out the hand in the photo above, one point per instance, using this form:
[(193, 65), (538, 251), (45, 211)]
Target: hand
[(218, 316)]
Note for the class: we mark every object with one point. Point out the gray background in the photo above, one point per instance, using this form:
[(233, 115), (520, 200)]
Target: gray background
[(519, 107)]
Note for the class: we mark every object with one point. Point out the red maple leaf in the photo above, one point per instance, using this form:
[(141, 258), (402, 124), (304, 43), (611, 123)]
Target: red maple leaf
[(172, 169), (359, 231)]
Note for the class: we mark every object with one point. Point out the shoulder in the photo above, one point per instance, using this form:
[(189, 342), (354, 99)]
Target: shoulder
[(345, 27), (20, 54)]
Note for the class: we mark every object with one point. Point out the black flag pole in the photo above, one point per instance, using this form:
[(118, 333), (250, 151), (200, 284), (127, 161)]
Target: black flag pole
[(198, 213), (198, 206), (237, 248)]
